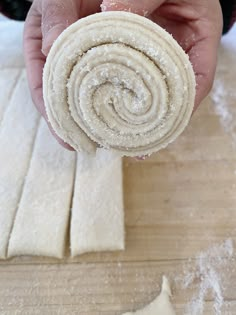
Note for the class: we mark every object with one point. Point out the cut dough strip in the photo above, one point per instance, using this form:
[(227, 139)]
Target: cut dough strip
[(119, 81), (97, 222), (7, 87), (17, 133), (161, 305), (42, 219)]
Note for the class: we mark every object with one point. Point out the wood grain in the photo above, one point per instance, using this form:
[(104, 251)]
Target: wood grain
[(177, 203)]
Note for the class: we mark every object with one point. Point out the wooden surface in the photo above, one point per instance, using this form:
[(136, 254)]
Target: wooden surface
[(177, 203)]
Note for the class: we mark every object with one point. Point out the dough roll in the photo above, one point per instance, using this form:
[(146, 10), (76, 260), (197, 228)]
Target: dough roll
[(119, 81)]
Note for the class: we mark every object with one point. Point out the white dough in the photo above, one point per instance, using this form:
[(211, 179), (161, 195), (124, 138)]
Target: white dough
[(37, 176), (11, 39), (8, 86), (97, 222), (161, 305), (119, 81), (17, 132), (42, 218)]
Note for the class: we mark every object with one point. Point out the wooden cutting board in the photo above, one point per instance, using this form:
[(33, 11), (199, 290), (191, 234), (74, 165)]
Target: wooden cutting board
[(179, 204)]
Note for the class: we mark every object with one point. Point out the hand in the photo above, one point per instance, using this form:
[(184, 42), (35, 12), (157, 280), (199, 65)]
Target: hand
[(45, 21), (196, 25)]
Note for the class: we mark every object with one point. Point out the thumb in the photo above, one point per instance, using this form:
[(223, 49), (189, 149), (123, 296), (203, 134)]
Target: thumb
[(141, 7), (57, 15)]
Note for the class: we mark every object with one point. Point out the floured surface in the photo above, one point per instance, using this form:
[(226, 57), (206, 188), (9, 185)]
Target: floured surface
[(224, 92), (179, 206), (161, 305)]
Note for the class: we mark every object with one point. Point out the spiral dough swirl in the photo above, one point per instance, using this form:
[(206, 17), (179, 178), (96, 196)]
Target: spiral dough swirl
[(119, 81)]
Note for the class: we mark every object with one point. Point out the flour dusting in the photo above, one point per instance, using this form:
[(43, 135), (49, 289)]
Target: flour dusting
[(223, 92), (206, 272)]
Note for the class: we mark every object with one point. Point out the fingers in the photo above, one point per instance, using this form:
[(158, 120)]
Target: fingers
[(35, 60), (141, 7), (203, 54), (57, 15), (203, 57), (89, 7)]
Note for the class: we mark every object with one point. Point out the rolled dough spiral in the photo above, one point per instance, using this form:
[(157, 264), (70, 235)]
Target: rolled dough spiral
[(119, 81)]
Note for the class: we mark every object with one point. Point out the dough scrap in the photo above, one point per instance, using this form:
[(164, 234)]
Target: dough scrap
[(42, 218), (118, 80), (97, 219), (161, 305)]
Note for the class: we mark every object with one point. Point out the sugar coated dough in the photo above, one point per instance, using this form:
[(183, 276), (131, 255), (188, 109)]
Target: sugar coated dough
[(15, 157), (97, 219), (161, 305), (41, 222), (37, 176), (119, 81)]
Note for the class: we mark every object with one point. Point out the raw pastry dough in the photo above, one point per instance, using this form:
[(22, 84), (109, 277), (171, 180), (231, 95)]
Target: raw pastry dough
[(97, 222), (118, 80), (161, 305), (17, 133), (8, 86), (11, 55), (42, 218)]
